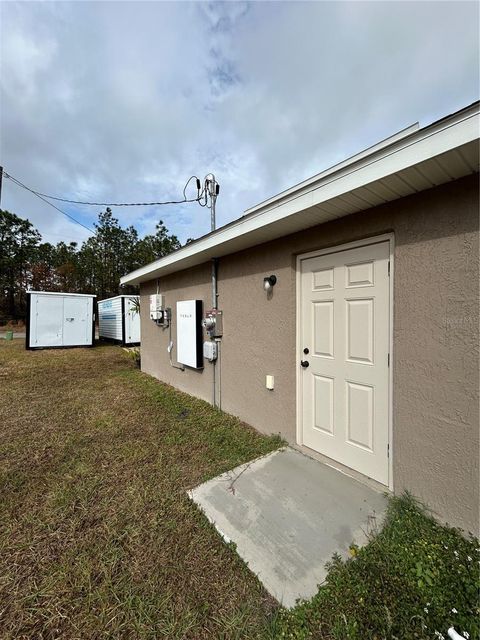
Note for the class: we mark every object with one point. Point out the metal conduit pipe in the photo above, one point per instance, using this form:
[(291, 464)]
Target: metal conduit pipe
[(170, 343), (214, 306), (219, 360)]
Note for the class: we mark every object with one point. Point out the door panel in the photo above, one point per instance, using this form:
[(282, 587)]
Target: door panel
[(47, 321), (322, 326), (132, 322), (359, 330), (324, 405), (77, 321), (345, 325)]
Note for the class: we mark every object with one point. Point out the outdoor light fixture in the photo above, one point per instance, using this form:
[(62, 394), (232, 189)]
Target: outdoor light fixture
[(268, 283)]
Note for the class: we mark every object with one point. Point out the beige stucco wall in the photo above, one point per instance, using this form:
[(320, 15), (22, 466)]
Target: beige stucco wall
[(435, 360)]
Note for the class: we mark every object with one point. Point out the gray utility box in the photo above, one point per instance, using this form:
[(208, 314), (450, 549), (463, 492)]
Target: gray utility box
[(56, 320)]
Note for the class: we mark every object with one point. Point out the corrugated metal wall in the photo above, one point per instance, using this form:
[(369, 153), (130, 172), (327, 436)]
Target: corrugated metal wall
[(110, 318)]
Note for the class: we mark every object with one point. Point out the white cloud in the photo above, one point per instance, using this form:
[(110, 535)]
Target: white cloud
[(125, 100)]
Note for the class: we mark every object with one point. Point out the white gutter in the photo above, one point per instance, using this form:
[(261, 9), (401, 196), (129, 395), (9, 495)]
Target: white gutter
[(372, 165)]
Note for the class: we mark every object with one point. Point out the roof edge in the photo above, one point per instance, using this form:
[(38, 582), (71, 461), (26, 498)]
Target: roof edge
[(378, 153), (61, 293)]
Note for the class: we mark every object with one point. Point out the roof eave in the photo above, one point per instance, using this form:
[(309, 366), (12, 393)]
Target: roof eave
[(279, 216)]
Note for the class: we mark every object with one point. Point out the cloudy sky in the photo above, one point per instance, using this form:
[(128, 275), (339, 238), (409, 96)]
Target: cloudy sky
[(124, 101)]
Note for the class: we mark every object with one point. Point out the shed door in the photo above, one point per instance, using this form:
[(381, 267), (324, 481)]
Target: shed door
[(77, 321), (46, 321), (132, 322), (345, 326)]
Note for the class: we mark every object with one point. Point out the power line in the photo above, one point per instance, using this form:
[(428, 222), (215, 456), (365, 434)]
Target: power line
[(206, 197), (114, 204), (20, 184)]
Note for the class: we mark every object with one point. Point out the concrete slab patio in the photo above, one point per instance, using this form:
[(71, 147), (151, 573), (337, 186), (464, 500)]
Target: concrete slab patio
[(288, 514)]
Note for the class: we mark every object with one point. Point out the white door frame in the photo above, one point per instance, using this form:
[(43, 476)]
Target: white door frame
[(386, 237)]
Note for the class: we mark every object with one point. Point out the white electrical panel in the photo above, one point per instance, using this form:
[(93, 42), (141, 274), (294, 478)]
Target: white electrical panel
[(189, 333), (157, 307), (210, 350)]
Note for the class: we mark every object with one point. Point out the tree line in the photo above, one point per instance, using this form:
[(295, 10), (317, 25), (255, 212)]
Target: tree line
[(95, 266)]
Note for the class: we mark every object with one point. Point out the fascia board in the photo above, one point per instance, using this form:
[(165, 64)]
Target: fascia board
[(408, 153)]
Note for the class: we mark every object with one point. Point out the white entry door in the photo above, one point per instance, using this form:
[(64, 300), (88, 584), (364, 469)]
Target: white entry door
[(344, 350), (77, 323)]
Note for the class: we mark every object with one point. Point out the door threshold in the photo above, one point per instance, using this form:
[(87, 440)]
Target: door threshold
[(338, 466)]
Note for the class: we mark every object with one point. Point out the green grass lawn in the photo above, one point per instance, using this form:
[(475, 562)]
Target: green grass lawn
[(99, 540)]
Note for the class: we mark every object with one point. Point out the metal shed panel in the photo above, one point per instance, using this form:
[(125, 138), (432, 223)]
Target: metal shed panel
[(55, 320), (110, 319), (117, 319), (132, 321)]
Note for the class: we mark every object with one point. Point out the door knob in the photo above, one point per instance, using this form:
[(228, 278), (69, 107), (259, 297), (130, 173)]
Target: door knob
[(304, 363)]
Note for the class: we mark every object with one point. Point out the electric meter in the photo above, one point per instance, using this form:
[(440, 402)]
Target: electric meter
[(213, 323)]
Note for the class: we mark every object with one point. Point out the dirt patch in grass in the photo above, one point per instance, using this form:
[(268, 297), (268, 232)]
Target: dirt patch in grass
[(97, 536)]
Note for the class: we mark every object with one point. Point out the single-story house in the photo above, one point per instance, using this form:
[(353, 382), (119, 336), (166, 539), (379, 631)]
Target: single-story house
[(362, 349)]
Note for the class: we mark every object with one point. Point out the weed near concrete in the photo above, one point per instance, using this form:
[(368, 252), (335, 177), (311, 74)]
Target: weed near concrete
[(415, 579)]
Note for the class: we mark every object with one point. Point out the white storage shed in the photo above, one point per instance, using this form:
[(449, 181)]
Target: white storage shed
[(56, 320), (119, 319)]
